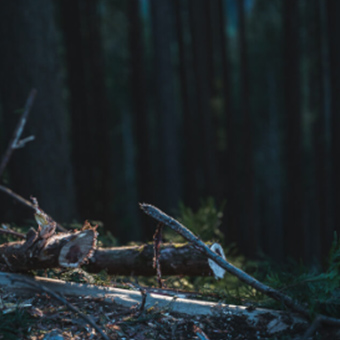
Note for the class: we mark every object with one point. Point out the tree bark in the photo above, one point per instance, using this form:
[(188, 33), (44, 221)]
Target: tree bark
[(89, 106), (175, 259), (294, 227), (30, 59), (246, 179), (70, 251), (140, 118), (202, 54), (170, 185), (333, 10)]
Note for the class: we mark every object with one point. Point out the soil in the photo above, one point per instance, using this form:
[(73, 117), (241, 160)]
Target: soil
[(43, 318)]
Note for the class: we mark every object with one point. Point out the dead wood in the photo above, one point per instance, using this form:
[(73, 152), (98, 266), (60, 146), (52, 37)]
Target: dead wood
[(68, 250), (273, 320), (167, 220), (174, 259), (15, 142)]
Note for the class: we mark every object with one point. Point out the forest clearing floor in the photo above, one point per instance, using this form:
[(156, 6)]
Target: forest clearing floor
[(41, 317)]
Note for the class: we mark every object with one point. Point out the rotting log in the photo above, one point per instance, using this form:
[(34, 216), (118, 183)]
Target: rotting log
[(175, 259), (273, 320)]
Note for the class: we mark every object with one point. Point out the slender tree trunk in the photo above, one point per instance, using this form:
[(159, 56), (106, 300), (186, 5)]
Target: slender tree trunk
[(227, 161), (333, 16), (203, 68), (30, 59), (89, 106), (145, 167), (162, 13), (294, 235), (189, 154), (246, 184), (320, 102)]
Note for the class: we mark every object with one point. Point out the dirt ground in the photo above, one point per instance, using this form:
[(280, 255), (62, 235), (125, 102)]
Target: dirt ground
[(42, 318)]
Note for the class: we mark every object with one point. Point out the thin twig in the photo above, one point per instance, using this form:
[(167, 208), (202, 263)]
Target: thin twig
[(161, 217), (5, 230), (24, 201), (312, 329), (15, 142), (19, 198), (58, 297), (157, 238)]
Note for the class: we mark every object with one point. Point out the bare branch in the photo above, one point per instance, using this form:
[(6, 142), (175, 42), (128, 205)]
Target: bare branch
[(161, 217), (22, 142), (18, 132), (24, 201)]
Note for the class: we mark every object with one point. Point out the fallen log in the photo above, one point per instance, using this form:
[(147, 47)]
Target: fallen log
[(175, 259), (274, 321), (71, 250), (68, 250)]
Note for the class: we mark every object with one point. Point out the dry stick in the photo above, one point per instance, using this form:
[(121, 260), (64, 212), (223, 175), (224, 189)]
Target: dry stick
[(24, 201), (58, 297), (15, 142), (161, 217), (312, 329), (157, 238), (19, 198)]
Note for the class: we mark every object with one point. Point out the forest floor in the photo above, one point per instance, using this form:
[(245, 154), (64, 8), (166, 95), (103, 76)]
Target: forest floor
[(41, 317)]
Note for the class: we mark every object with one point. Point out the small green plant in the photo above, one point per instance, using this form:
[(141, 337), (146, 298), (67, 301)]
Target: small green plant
[(205, 222), (319, 289)]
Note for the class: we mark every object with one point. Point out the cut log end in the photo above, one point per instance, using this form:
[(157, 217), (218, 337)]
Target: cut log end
[(78, 250), (215, 268)]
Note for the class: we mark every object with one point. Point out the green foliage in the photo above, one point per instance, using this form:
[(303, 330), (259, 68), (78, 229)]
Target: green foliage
[(205, 222), (319, 289), (15, 325)]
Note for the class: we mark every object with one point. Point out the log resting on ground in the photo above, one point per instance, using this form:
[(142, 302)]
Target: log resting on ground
[(67, 250), (175, 259), (274, 321), (71, 250)]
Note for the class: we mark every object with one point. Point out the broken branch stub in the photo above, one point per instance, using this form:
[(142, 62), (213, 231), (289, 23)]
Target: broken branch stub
[(68, 250)]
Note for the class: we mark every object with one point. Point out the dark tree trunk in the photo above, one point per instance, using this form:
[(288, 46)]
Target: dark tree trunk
[(294, 226), (145, 167), (226, 157), (189, 154), (246, 178), (320, 103), (30, 59), (170, 186), (333, 14), (201, 33), (89, 106)]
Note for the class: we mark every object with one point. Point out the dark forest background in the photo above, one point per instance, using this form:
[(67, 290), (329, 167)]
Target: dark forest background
[(168, 101)]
